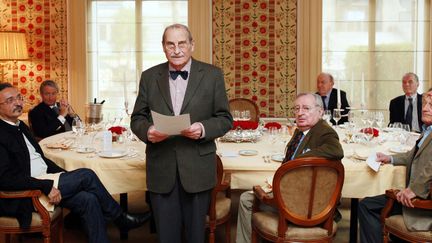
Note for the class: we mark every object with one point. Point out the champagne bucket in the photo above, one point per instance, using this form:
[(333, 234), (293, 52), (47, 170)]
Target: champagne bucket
[(93, 113)]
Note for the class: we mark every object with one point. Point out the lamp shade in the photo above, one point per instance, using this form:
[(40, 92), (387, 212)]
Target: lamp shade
[(13, 46)]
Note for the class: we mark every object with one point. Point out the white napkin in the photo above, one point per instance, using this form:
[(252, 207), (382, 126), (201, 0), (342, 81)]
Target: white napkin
[(372, 163), (228, 154)]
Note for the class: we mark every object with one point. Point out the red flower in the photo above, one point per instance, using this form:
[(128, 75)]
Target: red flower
[(277, 125), (245, 125), (370, 130), (118, 130)]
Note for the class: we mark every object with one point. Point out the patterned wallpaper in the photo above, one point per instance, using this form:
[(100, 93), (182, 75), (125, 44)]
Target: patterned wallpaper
[(44, 22), (254, 42)]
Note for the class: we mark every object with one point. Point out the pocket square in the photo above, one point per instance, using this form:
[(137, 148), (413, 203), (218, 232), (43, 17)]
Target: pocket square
[(306, 150)]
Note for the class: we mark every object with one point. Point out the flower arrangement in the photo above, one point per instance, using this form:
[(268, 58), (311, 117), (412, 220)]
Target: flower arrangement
[(370, 130), (276, 125), (116, 132), (245, 125)]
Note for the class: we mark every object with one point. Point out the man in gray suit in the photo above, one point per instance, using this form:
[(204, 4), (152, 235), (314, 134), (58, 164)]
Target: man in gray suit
[(418, 180), (312, 138), (181, 169)]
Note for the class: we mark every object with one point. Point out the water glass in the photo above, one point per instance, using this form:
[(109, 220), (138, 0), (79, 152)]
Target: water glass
[(327, 116), (236, 115)]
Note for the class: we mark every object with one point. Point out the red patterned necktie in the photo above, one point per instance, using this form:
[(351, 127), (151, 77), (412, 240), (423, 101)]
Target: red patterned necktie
[(295, 141)]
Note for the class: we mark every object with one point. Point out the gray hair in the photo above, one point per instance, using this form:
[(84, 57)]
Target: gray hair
[(48, 83), (318, 99), (411, 74), (177, 26)]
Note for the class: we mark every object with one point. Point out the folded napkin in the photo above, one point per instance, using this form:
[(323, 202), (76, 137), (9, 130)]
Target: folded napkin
[(61, 144), (245, 125), (277, 125)]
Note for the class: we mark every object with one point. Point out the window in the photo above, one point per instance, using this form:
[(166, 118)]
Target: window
[(124, 39), (382, 39)]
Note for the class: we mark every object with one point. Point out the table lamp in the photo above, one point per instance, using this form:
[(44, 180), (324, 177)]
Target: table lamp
[(13, 47)]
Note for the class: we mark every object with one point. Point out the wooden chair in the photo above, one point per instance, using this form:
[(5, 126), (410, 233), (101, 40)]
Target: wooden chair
[(242, 104), (394, 224), (220, 205), (42, 220), (305, 193)]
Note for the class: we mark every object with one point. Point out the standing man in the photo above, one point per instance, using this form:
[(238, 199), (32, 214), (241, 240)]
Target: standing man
[(418, 182), (181, 169), (407, 108), (23, 166), (49, 117), (312, 138), (325, 83)]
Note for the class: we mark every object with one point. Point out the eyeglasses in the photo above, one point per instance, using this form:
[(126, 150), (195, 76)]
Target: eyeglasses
[(306, 109), (11, 100), (182, 45)]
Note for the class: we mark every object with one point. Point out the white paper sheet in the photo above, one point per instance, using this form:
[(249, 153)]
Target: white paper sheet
[(171, 125), (372, 163)]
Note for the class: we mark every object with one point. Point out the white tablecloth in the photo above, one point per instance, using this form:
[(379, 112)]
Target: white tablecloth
[(119, 175)]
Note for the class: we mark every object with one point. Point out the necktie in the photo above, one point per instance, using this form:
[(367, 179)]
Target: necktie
[(295, 141), (324, 104), (416, 148), (408, 115), (175, 74)]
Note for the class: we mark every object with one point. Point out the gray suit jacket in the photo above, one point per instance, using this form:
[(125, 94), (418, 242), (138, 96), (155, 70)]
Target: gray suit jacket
[(206, 102), (418, 179), (320, 141)]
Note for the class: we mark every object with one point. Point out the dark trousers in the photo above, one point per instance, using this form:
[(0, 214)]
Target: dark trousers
[(369, 212), (180, 210), (84, 194)]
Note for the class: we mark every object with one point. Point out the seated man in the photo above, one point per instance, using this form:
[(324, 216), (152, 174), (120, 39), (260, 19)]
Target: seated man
[(49, 117), (314, 137), (406, 108), (418, 180), (328, 94), (23, 166)]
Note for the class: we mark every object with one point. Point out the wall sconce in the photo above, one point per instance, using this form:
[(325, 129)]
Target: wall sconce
[(13, 47)]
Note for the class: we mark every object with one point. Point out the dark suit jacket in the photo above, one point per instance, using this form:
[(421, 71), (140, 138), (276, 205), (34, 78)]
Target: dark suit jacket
[(44, 121), (332, 104), (320, 141), (397, 109), (15, 171), (419, 180), (206, 102)]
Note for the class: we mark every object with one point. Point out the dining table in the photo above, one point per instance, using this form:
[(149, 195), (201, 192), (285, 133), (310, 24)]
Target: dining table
[(254, 163), (121, 171), (249, 163)]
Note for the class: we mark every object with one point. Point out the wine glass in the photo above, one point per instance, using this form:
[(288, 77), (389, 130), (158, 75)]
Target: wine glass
[(327, 116), (77, 126), (337, 115), (379, 119), (246, 116), (236, 115)]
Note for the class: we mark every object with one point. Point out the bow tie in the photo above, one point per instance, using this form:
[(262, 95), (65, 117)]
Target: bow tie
[(175, 74)]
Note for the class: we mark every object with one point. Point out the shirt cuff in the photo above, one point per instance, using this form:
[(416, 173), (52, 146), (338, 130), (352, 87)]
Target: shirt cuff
[(202, 130), (61, 119)]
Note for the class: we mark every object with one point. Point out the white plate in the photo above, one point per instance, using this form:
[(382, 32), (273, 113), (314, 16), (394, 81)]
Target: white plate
[(278, 157), (84, 150), (248, 152), (112, 153), (399, 149)]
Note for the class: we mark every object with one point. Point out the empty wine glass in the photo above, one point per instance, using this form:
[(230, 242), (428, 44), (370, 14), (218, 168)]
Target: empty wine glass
[(77, 126), (337, 115), (379, 119), (236, 115)]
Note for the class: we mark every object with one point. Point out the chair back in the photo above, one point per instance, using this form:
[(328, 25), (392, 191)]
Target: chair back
[(307, 190), (243, 104)]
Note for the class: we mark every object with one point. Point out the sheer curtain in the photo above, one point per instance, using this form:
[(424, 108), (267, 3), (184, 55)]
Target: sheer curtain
[(379, 40), (124, 38)]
